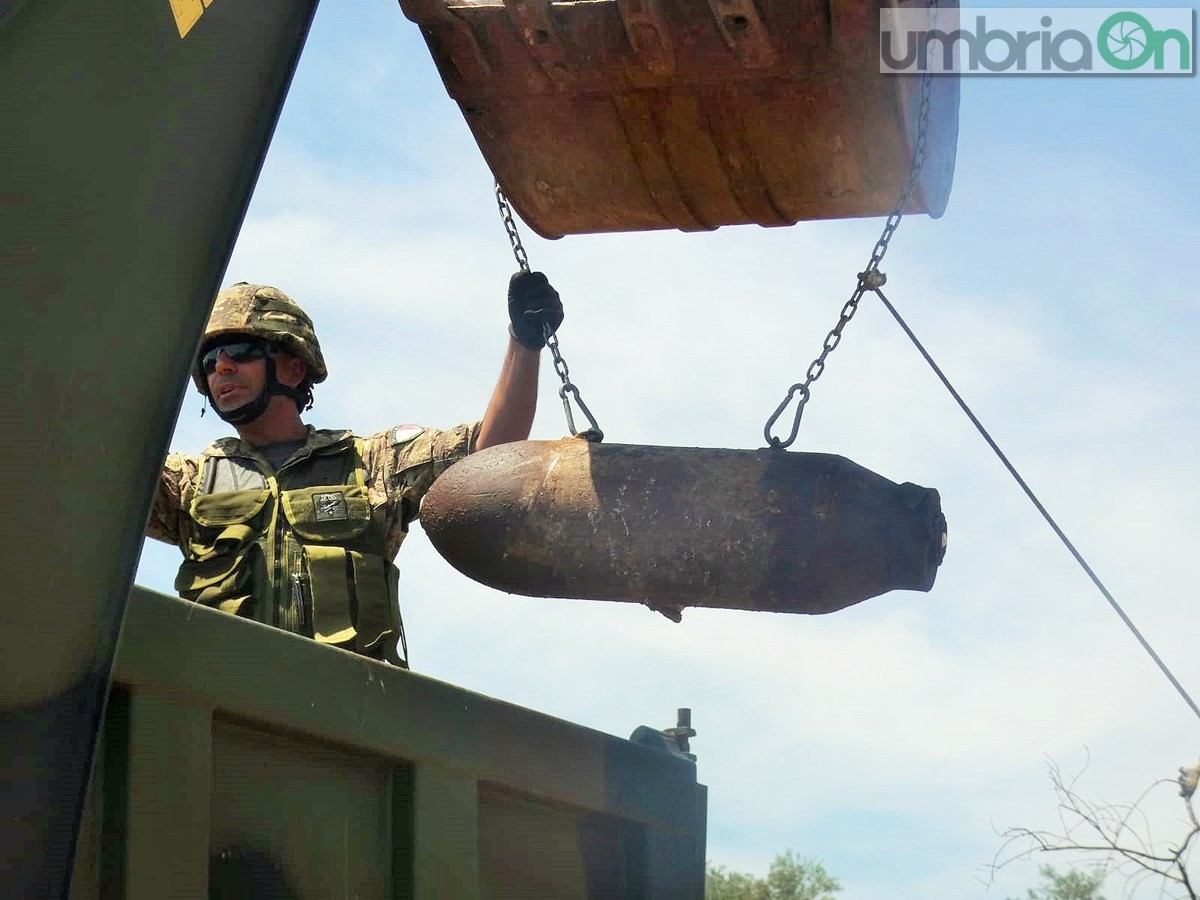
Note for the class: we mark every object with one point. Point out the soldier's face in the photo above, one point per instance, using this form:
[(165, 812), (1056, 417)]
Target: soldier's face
[(232, 384)]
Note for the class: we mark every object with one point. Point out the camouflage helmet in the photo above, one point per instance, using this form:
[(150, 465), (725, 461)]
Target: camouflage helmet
[(268, 313)]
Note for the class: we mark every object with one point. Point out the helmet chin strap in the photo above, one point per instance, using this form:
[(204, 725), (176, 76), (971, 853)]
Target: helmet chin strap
[(248, 412)]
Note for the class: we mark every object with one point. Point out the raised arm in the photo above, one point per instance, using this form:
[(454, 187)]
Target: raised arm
[(532, 303)]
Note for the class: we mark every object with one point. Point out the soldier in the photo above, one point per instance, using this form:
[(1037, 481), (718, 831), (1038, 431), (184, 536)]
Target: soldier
[(297, 527)]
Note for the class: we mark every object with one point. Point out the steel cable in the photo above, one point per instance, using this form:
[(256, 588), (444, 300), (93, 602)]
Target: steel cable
[(1038, 504)]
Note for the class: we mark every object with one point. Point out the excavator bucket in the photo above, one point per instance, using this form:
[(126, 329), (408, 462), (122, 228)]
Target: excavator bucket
[(635, 115), (678, 526)]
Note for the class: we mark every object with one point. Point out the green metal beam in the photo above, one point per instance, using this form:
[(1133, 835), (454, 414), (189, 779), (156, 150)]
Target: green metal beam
[(127, 158)]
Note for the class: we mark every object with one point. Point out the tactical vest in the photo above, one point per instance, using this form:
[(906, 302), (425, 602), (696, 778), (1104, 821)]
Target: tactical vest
[(298, 548)]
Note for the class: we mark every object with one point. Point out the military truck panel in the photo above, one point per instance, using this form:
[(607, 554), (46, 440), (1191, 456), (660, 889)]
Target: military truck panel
[(236, 751)]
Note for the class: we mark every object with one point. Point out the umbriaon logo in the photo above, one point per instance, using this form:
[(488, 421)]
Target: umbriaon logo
[(1128, 41), (1043, 41)]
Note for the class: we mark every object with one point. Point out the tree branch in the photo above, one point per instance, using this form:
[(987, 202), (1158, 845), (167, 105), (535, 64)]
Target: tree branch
[(1120, 833)]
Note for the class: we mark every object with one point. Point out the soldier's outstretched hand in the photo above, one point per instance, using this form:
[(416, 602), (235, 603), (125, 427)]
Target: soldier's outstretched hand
[(532, 303)]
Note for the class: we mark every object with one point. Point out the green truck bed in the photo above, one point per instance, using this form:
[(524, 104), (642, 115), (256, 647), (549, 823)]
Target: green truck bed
[(264, 759)]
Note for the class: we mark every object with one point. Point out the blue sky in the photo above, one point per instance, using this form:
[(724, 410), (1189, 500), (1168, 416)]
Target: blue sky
[(894, 739)]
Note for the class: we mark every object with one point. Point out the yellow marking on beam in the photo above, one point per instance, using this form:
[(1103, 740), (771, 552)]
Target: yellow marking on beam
[(188, 13)]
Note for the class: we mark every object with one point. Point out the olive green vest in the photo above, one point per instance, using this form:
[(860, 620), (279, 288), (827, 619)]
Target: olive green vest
[(298, 548)]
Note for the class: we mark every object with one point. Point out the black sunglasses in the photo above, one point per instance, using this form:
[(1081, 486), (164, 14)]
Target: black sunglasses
[(237, 351)]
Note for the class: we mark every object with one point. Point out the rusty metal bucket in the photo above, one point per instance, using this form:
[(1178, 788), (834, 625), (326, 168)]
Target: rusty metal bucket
[(680, 526), (634, 115)]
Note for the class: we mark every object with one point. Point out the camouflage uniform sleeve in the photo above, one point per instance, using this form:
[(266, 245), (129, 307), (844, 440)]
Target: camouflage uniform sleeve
[(178, 476), (403, 462)]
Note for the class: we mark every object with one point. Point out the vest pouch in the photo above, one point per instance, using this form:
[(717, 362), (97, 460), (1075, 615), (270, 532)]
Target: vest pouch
[(330, 513), (224, 565), (228, 507), (374, 593), (228, 581), (351, 597), (329, 577)]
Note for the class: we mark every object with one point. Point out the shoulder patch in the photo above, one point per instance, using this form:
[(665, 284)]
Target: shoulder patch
[(402, 434)]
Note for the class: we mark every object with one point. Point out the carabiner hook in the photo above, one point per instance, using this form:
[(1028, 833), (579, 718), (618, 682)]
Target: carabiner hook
[(775, 442)]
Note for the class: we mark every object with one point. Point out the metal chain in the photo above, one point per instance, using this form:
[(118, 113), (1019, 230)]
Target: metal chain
[(510, 226), (568, 390), (868, 280)]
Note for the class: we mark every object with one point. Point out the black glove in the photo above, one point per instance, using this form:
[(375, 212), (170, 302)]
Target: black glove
[(532, 302)]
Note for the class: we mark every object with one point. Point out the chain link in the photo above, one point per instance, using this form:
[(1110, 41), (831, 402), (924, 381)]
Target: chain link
[(510, 226), (568, 390), (869, 279)]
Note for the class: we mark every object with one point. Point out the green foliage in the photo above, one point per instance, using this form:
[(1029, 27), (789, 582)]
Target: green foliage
[(720, 884), (790, 878), (1069, 885)]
